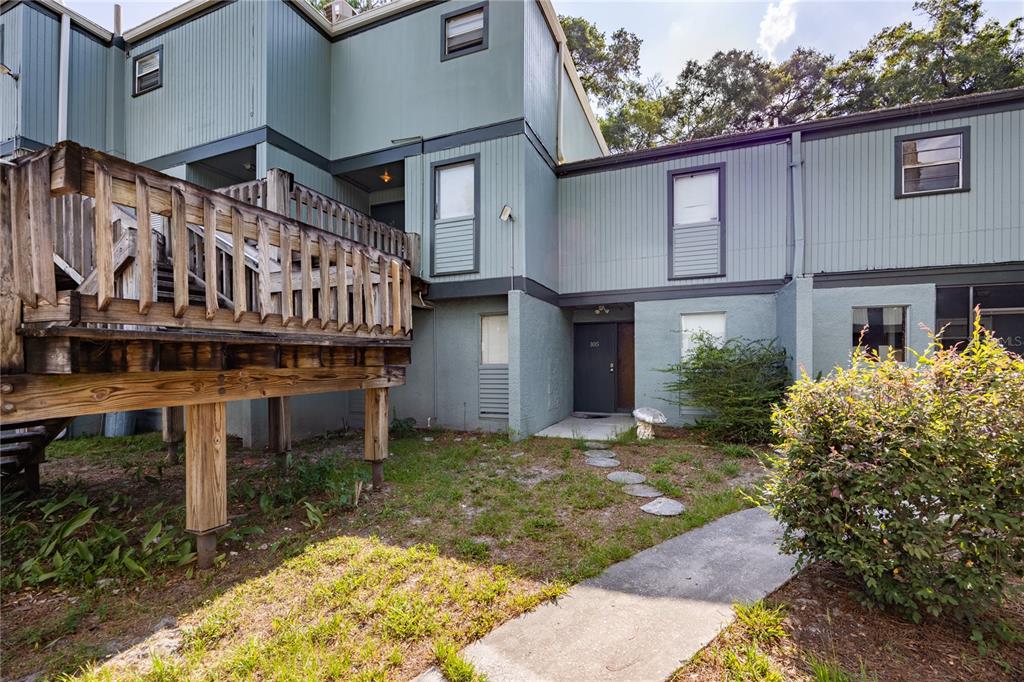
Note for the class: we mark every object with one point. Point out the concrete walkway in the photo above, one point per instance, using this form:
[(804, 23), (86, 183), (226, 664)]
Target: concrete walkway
[(597, 428), (644, 617)]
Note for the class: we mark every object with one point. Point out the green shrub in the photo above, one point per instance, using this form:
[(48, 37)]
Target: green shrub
[(737, 382), (909, 478)]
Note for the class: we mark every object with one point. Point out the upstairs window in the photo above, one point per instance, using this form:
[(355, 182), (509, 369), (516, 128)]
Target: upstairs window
[(881, 331), (147, 71), (464, 31), (932, 164), (696, 223)]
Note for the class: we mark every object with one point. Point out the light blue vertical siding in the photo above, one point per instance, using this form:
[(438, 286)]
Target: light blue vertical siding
[(855, 223), (89, 63), (501, 182), (12, 22), (539, 227), (578, 139), (38, 83), (613, 225), (389, 82), (215, 77), (298, 79), (540, 80)]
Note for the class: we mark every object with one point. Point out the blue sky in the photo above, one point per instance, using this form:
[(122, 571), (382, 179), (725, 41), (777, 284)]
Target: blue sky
[(676, 30)]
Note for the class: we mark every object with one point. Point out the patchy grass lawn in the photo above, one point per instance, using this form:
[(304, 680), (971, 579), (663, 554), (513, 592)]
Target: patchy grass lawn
[(315, 583), (812, 630)]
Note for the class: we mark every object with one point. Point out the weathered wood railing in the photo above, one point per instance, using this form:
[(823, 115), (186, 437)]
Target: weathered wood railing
[(319, 210), (307, 280)]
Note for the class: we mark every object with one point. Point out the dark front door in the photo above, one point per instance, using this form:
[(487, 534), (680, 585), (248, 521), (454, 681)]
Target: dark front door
[(594, 367)]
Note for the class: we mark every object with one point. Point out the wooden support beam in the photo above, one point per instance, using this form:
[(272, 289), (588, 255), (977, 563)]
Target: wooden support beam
[(279, 428), (28, 397), (173, 431), (206, 474), (12, 358), (375, 426), (144, 249)]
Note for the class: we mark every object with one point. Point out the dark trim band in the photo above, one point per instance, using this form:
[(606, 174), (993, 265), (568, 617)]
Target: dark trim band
[(208, 149), (498, 286), (764, 286), (996, 273)]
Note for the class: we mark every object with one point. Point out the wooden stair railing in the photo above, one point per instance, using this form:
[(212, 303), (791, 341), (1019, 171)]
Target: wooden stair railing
[(328, 284), (319, 210)]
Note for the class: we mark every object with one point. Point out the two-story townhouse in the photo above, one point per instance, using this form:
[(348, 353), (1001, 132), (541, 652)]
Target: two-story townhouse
[(558, 279)]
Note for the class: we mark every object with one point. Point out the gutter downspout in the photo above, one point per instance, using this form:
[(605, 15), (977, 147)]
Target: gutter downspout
[(62, 77), (559, 156), (796, 168)]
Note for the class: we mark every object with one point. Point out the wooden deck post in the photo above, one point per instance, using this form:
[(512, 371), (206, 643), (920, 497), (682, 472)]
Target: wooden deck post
[(375, 426), (206, 476), (279, 428), (173, 431)]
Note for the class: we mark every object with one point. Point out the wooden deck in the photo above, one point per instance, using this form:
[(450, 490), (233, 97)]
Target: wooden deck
[(122, 288)]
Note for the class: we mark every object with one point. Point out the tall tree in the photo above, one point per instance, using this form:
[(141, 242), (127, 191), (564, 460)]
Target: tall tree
[(608, 69), (957, 53)]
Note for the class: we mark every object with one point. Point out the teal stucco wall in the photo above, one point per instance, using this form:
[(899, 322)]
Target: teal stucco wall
[(540, 364)]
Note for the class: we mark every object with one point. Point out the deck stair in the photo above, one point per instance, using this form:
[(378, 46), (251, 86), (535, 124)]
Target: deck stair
[(23, 448)]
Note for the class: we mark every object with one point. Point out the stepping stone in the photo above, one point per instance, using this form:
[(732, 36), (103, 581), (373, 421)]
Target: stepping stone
[(599, 453), (603, 462), (628, 477), (663, 506), (641, 490), (596, 445)]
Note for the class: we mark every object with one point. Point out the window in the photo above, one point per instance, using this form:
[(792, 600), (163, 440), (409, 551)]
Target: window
[(147, 70), (696, 228), (932, 164), (494, 340), (455, 193), (694, 324), (881, 331), (464, 32)]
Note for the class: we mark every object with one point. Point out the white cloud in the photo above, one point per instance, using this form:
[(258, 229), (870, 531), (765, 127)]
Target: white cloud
[(777, 25)]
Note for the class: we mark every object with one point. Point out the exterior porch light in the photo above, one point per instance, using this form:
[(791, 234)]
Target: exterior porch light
[(385, 176)]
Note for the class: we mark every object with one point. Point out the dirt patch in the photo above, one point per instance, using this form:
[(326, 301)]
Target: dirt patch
[(825, 622)]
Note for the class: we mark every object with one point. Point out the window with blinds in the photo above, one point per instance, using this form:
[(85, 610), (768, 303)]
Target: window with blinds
[(464, 32), (930, 164), (696, 224), (147, 69), (881, 331)]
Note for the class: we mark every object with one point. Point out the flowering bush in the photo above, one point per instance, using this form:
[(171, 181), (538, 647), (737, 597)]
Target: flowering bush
[(909, 478)]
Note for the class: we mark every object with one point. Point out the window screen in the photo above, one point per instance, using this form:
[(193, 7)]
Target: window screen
[(455, 191), (931, 164), (494, 340), (463, 32), (881, 331)]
